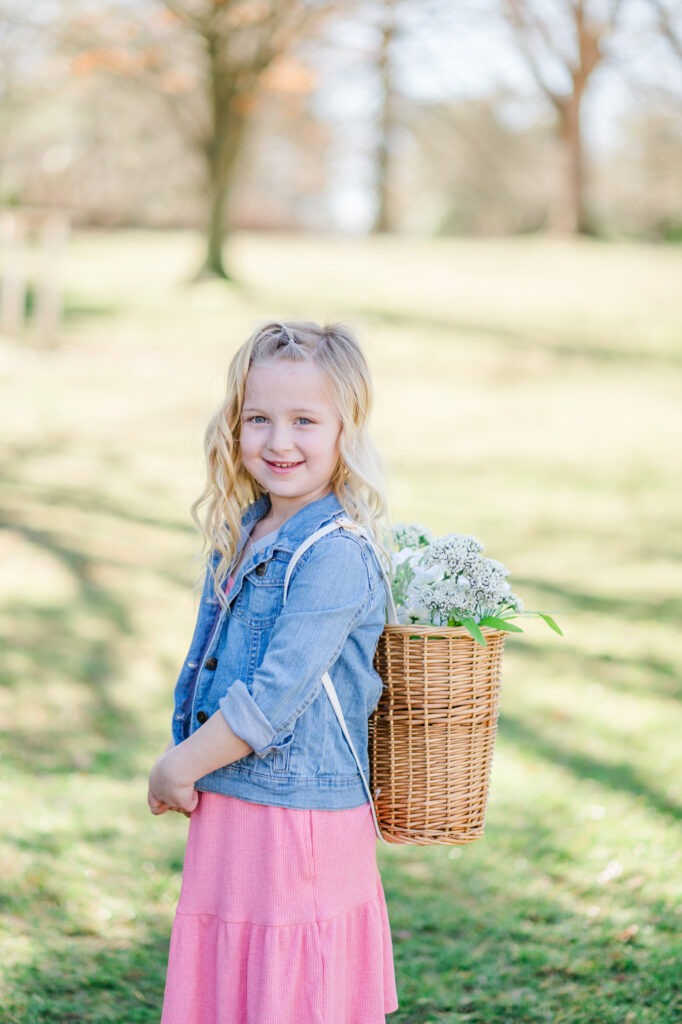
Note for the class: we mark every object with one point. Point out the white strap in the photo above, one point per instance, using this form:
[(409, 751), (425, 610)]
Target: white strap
[(333, 697), (347, 524)]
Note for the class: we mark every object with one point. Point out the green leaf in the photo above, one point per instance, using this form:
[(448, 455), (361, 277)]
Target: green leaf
[(475, 631), (550, 622), (492, 620)]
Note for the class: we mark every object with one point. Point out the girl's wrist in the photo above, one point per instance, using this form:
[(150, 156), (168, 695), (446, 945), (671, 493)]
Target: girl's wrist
[(177, 765), (206, 749)]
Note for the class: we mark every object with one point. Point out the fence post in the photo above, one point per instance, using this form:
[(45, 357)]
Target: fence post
[(48, 301), (13, 276)]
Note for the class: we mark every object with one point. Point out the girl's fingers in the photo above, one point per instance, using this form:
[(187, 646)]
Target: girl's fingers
[(156, 806)]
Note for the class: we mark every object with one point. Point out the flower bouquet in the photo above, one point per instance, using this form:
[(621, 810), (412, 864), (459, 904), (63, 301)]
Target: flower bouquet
[(432, 734), (448, 581)]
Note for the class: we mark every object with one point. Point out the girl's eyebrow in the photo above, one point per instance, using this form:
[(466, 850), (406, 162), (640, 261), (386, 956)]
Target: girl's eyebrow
[(254, 408)]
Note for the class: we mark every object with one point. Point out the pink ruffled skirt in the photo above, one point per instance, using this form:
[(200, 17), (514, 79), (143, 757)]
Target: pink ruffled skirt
[(281, 919)]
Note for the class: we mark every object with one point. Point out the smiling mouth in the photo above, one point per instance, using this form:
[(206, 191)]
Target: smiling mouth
[(283, 465)]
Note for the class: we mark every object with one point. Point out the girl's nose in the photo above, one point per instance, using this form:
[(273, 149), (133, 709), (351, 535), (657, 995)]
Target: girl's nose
[(279, 440)]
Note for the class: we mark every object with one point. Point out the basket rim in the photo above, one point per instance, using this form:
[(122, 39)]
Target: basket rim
[(424, 629)]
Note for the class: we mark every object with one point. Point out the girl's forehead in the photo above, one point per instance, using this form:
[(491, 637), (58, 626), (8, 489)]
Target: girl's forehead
[(285, 381)]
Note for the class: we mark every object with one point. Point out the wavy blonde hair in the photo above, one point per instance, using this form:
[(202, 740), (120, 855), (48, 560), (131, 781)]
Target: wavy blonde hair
[(358, 480)]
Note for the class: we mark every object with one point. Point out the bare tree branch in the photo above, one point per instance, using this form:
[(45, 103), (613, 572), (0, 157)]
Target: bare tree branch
[(667, 28), (534, 36), (522, 25)]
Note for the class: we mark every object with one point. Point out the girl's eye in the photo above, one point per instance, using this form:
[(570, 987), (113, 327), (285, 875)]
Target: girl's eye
[(257, 416)]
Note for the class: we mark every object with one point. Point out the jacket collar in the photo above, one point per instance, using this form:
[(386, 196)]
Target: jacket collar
[(291, 533), (298, 526)]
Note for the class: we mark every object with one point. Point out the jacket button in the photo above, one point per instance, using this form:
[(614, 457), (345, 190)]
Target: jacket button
[(211, 664), (261, 569), (201, 717)]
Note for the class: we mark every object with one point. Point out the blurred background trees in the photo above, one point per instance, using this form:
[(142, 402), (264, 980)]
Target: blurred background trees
[(413, 116)]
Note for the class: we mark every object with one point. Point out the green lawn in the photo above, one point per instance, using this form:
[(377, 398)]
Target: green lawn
[(528, 392)]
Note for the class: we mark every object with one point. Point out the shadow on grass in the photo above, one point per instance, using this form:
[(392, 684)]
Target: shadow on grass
[(481, 938), (643, 676), (77, 642), (55, 655), (75, 311), (666, 610), (63, 661), (80, 979), (617, 775), (85, 501), (553, 342), (562, 345), (477, 938)]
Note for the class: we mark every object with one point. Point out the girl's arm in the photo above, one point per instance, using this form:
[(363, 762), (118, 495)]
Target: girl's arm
[(332, 589), (330, 593), (213, 745)]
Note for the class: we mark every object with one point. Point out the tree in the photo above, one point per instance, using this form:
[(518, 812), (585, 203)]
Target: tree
[(239, 42), (570, 35), (207, 61), (399, 23)]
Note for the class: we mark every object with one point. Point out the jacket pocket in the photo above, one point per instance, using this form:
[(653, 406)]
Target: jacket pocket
[(258, 603), (281, 757)]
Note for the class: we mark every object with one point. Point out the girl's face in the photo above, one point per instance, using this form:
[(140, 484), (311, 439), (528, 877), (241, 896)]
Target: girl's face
[(288, 417)]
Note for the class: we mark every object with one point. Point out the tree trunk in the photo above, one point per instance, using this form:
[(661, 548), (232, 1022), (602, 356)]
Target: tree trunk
[(216, 229), (575, 218), (383, 221), (228, 121), (221, 156)]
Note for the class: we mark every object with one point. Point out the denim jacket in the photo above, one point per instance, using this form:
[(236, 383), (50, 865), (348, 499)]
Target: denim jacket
[(260, 663)]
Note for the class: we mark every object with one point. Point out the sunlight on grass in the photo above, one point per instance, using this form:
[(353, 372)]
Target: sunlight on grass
[(527, 391)]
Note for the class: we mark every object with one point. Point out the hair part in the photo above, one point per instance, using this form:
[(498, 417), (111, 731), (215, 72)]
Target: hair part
[(359, 478)]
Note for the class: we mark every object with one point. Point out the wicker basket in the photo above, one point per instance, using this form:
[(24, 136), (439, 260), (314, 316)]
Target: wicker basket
[(432, 734)]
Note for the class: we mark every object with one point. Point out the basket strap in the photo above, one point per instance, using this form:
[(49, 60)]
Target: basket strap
[(347, 524), (333, 697)]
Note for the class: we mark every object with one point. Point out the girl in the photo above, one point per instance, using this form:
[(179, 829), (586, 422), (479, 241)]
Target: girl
[(282, 917)]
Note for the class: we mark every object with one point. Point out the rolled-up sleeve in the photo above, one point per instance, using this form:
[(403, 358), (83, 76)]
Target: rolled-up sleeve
[(329, 593)]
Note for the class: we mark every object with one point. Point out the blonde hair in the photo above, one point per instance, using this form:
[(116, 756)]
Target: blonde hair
[(358, 480)]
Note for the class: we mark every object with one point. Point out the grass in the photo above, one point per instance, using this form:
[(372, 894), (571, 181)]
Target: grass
[(527, 391)]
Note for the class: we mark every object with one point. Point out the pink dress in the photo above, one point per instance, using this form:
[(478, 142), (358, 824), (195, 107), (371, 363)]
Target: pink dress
[(281, 919)]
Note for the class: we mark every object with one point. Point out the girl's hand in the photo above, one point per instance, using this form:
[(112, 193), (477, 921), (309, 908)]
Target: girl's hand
[(155, 806), (168, 790)]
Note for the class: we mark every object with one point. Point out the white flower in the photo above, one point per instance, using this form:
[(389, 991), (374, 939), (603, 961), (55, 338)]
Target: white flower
[(502, 569), (413, 535), (398, 557), (458, 553), (446, 579), (422, 575)]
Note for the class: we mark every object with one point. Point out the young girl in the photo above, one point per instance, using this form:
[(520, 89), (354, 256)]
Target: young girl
[(282, 917)]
